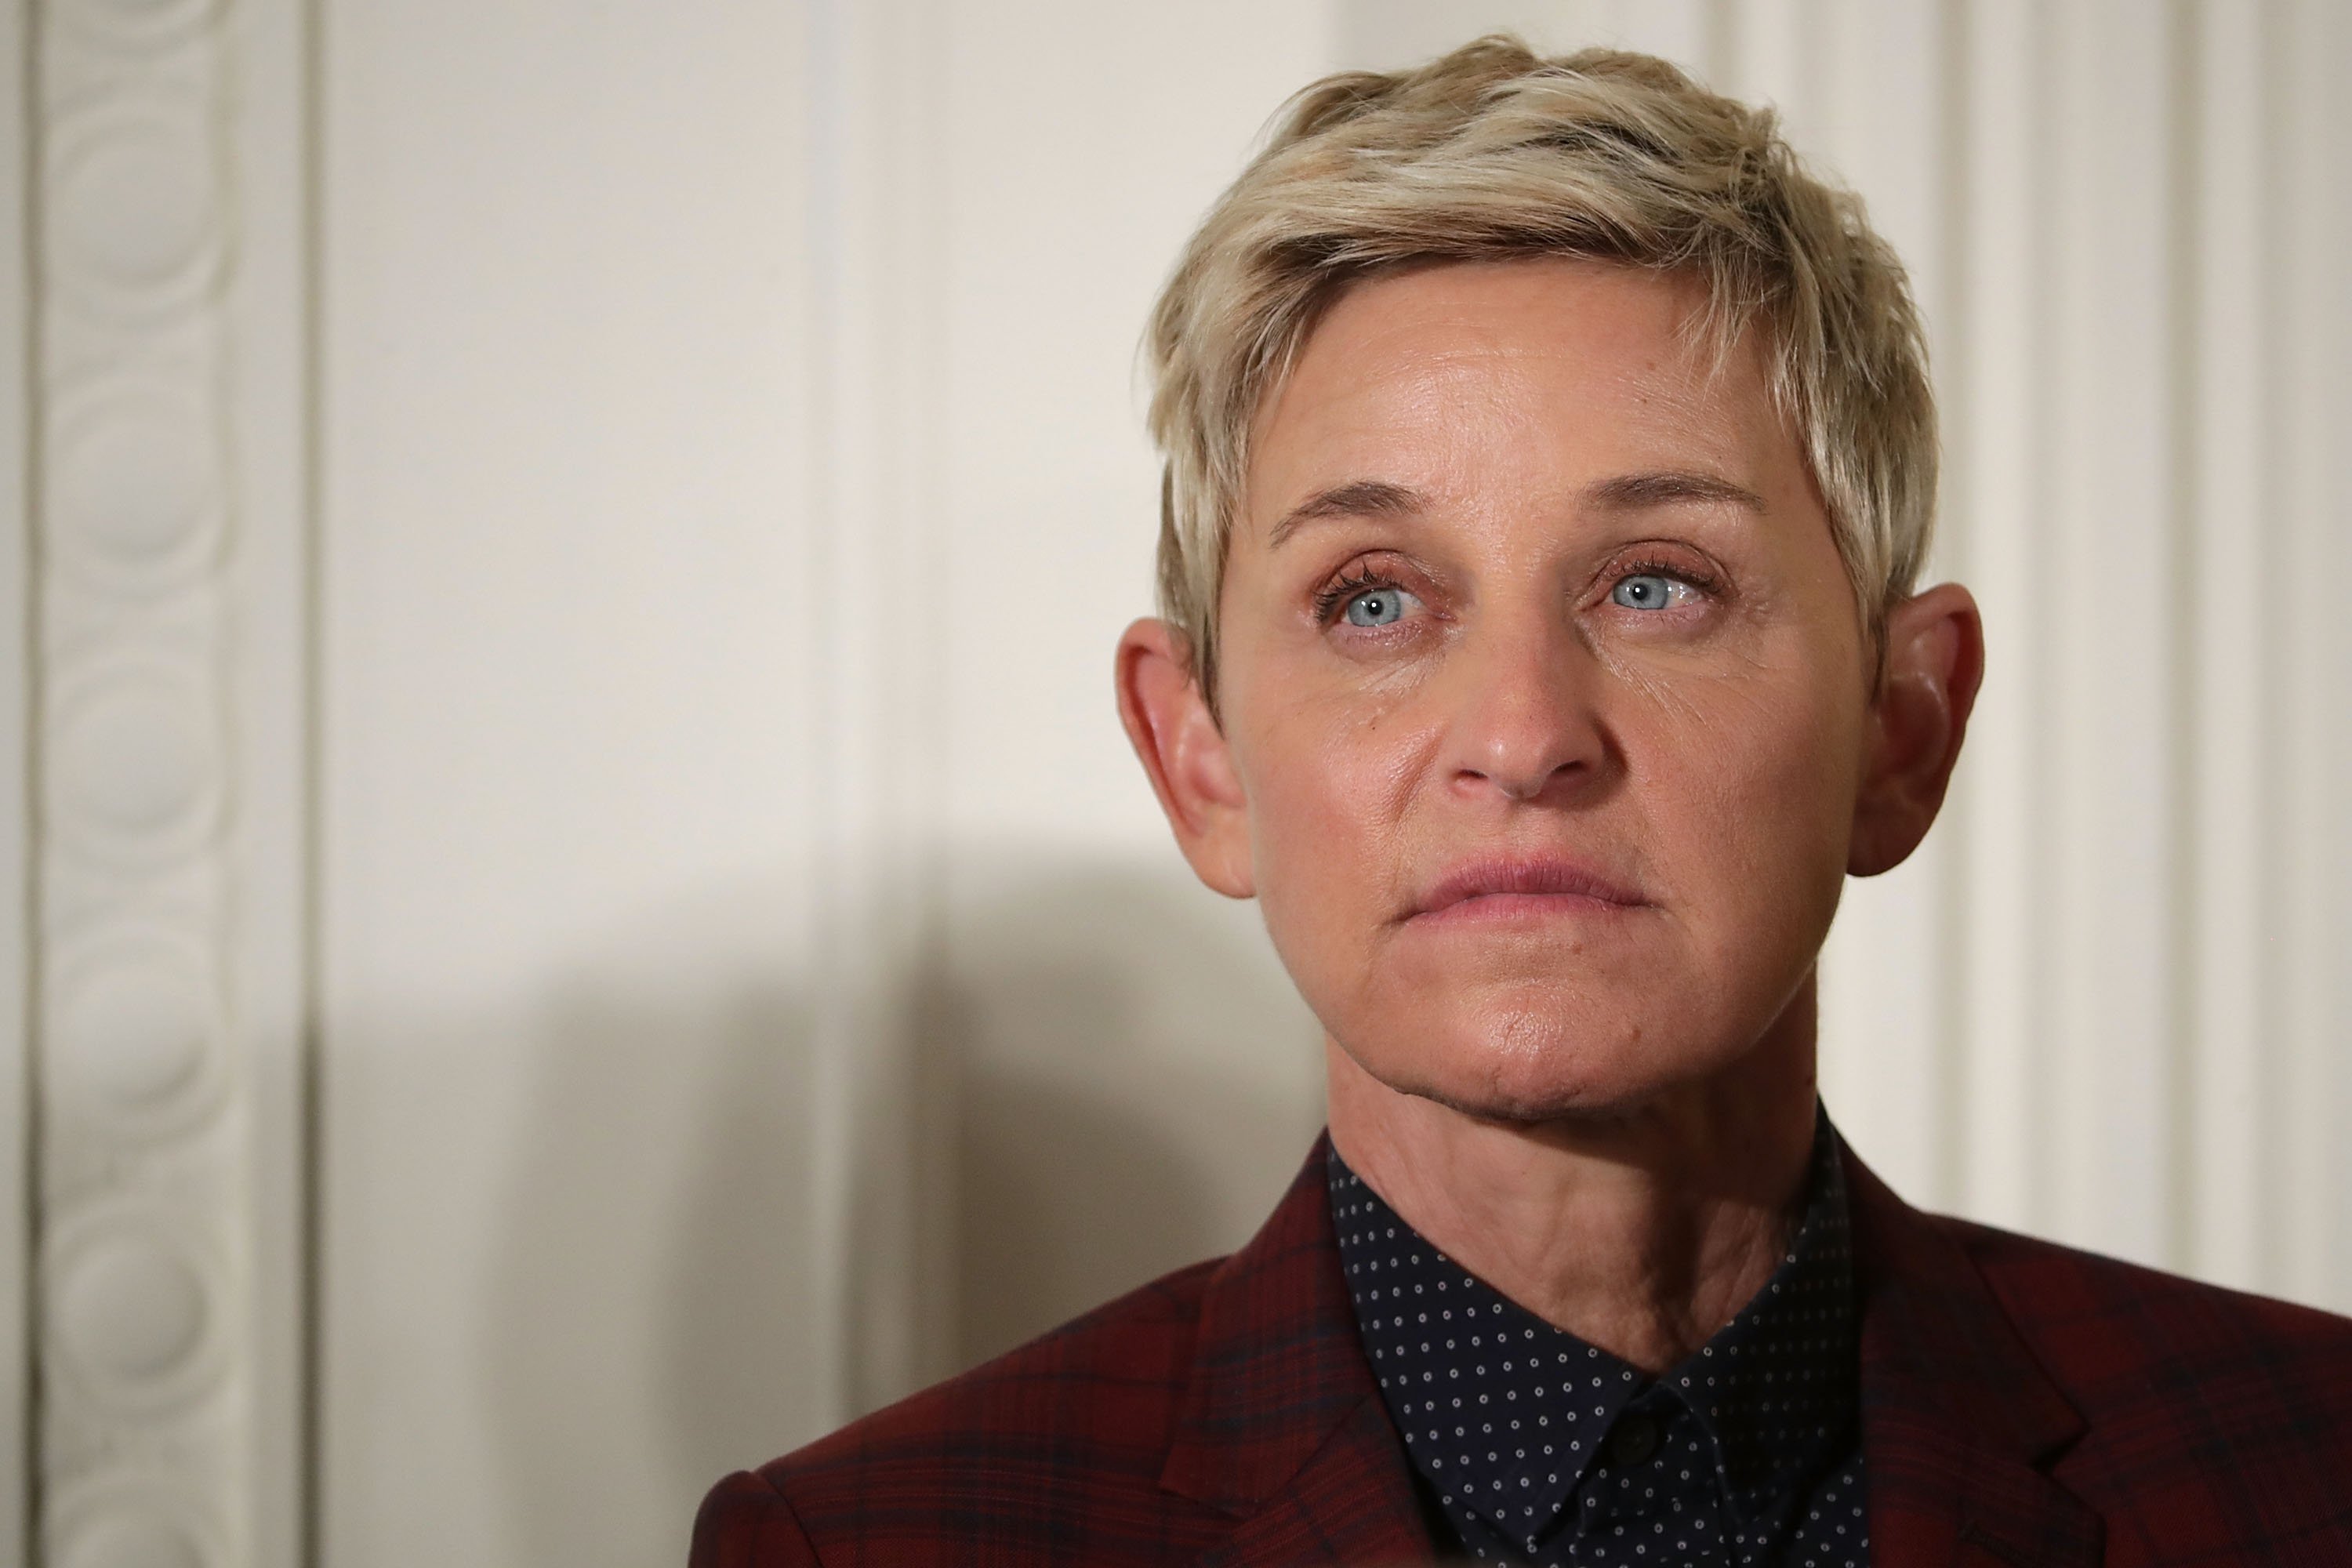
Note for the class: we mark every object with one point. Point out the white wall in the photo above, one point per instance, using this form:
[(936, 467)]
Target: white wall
[(565, 1169), (1077, 951), (733, 489), (671, 943)]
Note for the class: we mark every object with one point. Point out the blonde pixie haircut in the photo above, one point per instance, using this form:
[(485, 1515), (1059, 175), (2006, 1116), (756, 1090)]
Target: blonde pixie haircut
[(1492, 153)]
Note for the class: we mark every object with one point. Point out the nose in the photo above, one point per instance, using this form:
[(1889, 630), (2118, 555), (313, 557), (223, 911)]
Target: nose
[(1525, 722)]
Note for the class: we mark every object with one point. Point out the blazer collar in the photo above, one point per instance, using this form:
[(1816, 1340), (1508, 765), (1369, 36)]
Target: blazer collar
[(1960, 1421), (1282, 1425)]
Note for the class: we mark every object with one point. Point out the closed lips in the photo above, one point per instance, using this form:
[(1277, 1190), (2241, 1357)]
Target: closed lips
[(1524, 878)]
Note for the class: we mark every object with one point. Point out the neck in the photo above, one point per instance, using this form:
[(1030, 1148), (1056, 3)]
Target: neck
[(1642, 1230)]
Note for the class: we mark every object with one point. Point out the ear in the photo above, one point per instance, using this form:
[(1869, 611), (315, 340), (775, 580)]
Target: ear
[(1184, 752), (1934, 663)]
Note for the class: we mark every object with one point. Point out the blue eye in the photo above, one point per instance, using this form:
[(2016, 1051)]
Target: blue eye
[(1648, 591), (1377, 607)]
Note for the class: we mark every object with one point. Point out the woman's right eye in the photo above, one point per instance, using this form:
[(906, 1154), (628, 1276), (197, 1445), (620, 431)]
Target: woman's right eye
[(1377, 607)]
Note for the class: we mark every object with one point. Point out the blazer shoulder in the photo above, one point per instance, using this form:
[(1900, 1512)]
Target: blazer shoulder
[(744, 1522), (2190, 1391), (2091, 1313), (1080, 1417), (1126, 1352)]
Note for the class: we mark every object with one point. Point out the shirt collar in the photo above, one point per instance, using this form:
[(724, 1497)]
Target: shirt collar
[(1778, 1387), (1497, 1405)]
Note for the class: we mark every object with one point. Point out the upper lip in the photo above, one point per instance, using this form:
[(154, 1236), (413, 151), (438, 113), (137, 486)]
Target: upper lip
[(1554, 874)]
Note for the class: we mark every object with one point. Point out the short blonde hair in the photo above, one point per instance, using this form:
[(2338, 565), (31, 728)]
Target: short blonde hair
[(1492, 153)]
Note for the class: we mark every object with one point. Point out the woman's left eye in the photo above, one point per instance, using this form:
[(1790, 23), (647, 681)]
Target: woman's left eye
[(1377, 607), (1651, 590)]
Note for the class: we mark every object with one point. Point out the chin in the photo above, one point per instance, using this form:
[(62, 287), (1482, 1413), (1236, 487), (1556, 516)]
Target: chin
[(1525, 1062)]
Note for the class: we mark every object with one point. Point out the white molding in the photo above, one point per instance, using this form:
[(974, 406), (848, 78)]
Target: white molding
[(875, 334), (1996, 428), (2310, 1093), (17, 139), (167, 670), (2233, 666), (268, 669)]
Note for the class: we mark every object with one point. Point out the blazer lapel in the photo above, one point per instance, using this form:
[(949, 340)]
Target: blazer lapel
[(1282, 1425), (1284, 1429), (1352, 1502), (1958, 1421)]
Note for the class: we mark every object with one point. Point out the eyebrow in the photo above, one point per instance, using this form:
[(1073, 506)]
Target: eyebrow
[(1359, 498), (1626, 492), (1640, 492)]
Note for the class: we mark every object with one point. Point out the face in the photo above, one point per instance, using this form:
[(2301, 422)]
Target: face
[(1546, 717)]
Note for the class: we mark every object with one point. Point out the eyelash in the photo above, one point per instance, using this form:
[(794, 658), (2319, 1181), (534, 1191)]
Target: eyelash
[(1339, 590), (1680, 573)]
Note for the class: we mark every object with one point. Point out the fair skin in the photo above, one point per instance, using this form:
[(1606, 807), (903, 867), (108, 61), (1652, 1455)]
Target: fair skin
[(1546, 730)]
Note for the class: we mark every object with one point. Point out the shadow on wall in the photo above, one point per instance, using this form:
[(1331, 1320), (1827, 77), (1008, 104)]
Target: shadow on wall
[(649, 1316), (1134, 1082)]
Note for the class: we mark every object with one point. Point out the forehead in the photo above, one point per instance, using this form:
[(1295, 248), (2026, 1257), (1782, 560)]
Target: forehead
[(1463, 380)]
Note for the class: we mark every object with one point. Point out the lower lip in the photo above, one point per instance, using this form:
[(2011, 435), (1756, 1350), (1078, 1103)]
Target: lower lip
[(1521, 909)]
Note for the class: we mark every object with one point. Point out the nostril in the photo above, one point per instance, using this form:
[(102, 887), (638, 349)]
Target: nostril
[(1525, 718)]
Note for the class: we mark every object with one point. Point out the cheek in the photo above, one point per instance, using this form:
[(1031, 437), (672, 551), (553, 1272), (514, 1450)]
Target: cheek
[(1758, 775), (1329, 777)]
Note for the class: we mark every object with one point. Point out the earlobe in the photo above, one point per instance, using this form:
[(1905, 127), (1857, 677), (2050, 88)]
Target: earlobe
[(1918, 717), (1184, 752)]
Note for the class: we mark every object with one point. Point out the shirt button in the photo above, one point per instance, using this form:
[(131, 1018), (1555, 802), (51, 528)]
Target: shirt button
[(1633, 1439)]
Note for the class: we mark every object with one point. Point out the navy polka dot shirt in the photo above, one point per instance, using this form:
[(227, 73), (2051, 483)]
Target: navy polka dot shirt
[(1540, 1449)]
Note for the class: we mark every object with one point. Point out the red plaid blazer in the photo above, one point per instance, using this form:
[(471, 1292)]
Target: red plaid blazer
[(2022, 1404)]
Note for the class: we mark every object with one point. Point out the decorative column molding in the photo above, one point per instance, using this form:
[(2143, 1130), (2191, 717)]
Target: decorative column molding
[(166, 785)]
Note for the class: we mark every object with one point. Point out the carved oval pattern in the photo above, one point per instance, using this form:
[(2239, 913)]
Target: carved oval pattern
[(134, 1315), (141, 1293), (133, 228), (135, 766), (136, 501), (128, 1519), (137, 24), (138, 1033)]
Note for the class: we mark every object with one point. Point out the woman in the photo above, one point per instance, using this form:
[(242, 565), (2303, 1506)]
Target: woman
[(1550, 462)]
